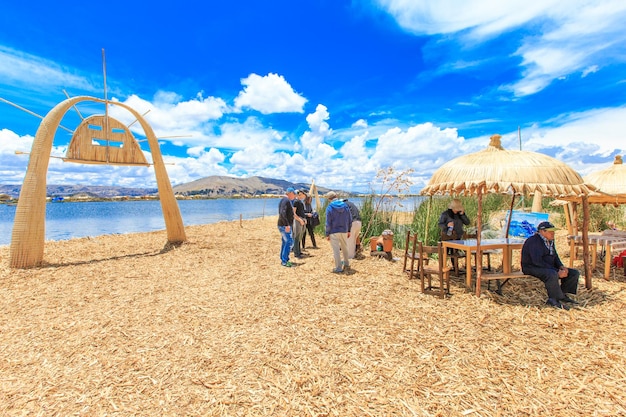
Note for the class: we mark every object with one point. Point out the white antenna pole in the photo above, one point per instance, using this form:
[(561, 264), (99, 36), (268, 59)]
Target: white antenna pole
[(104, 72), (74, 106), (30, 112), (106, 104), (519, 138)]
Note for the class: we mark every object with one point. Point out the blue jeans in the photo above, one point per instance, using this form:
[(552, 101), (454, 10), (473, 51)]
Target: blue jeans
[(286, 244)]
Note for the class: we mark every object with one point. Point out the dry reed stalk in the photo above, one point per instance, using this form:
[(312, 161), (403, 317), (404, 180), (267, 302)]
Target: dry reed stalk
[(122, 325)]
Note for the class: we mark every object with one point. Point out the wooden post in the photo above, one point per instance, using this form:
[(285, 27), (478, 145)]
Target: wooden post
[(479, 254), (313, 191), (508, 223), (430, 204), (568, 218), (586, 243), (574, 217), (536, 207)]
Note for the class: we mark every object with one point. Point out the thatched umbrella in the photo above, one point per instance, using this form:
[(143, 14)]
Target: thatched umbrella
[(496, 170), (610, 184)]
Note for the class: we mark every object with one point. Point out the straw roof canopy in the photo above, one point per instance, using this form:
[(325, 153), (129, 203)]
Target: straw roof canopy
[(611, 180), (610, 184), (497, 170)]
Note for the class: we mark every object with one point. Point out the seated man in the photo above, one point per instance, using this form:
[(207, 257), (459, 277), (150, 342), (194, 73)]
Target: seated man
[(539, 259)]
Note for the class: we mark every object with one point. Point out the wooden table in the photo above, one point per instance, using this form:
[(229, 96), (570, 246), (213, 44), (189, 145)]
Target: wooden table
[(606, 242), (471, 245)]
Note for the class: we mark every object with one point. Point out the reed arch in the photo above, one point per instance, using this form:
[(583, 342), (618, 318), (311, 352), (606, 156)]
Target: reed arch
[(28, 237)]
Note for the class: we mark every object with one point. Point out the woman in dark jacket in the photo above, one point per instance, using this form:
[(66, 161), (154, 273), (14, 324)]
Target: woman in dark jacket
[(452, 220), (308, 212)]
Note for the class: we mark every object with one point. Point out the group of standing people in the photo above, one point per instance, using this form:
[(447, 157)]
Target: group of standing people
[(539, 256), (296, 217)]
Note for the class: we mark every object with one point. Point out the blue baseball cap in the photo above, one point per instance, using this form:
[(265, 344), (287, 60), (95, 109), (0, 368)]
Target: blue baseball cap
[(290, 190), (547, 226)]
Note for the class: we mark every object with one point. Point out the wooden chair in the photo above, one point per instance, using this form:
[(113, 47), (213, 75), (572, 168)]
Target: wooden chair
[(438, 269), (486, 253), (453, 254), (411, 254), (576, 242)]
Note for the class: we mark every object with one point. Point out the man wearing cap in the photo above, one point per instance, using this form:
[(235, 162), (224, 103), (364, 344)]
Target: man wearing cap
[(338, 224), (539, 259), (285, 223)]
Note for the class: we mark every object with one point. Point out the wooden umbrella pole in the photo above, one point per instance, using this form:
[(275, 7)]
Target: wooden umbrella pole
[(586, 243), (479, 255), (574, 215), (508, 223), (430, 204)]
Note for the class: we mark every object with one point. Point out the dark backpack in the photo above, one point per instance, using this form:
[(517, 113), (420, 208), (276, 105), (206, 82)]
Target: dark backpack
[(315, 219)]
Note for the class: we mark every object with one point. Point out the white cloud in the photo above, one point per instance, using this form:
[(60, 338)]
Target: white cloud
[(433, 17), (590, 70), (35, 73), (200, 163), (568, 37), (397, 147), (269, 94), (236, 135), (599, 132), (168, 116), (357, 156), (361, 123), (12, 165), (319, 131), (256, 157)]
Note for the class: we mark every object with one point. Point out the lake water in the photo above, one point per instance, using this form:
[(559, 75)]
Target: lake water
[(69, 220)]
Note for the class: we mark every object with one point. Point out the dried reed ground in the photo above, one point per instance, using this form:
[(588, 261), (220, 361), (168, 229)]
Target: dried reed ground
[(121, 325)]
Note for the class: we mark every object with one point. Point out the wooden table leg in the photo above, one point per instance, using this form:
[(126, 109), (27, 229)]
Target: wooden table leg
[(607, 260), (468, 269), (572, 252), (507, 259), (594, 255)]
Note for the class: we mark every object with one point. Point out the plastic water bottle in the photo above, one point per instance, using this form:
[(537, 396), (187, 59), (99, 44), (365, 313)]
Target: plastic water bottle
[(449, 232)]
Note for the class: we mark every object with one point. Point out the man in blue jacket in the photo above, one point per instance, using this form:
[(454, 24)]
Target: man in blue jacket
[(338, 224), (539, 259)]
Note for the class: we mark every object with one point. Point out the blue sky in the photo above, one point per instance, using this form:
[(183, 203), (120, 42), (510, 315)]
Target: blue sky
[(324, 90)]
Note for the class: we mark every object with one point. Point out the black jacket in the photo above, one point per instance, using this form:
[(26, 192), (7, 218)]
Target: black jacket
[(458, 219), (285, 212), (536, 253)]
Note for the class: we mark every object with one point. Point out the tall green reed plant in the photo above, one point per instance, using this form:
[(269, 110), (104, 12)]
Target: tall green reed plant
[(379, 209)]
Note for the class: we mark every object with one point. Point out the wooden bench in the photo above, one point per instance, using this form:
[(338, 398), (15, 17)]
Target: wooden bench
[(498, 276)]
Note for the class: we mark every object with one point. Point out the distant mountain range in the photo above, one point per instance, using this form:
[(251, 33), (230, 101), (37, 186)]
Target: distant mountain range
[(218, 186), (95, 191), (213, 186)]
